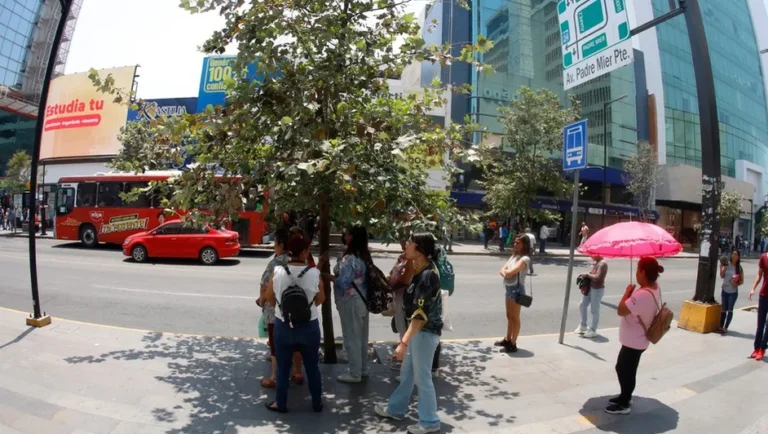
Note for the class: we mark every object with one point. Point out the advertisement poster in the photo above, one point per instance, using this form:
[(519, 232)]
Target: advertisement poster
[(79, 120), (156, 108), (213, 86)]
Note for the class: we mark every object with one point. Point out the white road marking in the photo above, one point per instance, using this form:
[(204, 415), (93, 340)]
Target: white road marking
[(182, 294)]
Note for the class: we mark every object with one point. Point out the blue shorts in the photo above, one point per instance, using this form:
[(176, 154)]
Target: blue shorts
[(514, 290)]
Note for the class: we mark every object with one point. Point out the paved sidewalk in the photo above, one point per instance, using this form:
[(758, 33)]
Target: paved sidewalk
[(78, 378)]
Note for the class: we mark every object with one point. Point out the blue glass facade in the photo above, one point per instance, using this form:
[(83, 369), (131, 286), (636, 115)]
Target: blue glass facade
[(528, 52), (17, 22), (739, 89)]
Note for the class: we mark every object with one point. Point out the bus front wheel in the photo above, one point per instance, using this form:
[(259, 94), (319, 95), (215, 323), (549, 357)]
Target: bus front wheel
[(88, 236)]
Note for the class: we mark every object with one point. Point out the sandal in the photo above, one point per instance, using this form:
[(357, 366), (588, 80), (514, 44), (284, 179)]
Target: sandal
[(275, 409), (268, 383), (298, 379)]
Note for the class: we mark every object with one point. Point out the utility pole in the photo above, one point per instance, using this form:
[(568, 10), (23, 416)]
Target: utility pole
[(37, 319)]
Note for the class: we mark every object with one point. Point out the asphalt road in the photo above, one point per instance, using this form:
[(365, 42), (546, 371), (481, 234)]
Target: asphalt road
[(103, 287)]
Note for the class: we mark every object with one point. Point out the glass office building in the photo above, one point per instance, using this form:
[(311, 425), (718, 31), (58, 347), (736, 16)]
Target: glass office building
[(27, 28), (739, 88)]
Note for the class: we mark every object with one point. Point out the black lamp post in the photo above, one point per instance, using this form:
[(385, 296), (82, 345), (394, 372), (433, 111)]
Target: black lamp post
[(37, 319), (605, 152)]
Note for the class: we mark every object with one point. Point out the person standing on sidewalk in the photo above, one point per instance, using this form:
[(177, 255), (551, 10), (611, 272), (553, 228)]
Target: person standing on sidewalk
[(761, 334), (503, 233), (733, 277), (12, 220), (424, 306), (514, 272), (637, 307), (268, 310), (399, 278), (350, 278), (593, 298), (543, 236), (584, 232), (292, 333)]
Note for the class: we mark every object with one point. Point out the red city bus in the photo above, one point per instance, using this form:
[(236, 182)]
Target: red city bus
[(90, 209)]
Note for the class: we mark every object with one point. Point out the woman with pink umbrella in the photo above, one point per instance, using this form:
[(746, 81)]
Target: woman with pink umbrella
[(640, 302)]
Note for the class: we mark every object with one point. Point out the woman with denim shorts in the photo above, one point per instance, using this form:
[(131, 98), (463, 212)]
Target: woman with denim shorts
[(514, 272)]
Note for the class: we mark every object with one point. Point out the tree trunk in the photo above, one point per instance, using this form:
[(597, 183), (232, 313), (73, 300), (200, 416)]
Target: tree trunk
[(329, 344)]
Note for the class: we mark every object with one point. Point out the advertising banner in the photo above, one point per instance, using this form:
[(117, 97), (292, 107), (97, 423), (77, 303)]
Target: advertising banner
[(155, 108), (79, 120), (213, 86)]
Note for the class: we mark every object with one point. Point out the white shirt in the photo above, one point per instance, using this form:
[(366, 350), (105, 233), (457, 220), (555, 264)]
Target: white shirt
[(519, 277), (544, 232), (532, 237), (309, 282)]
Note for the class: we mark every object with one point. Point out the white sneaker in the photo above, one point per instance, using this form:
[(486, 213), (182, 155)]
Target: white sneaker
[(348, 378), (589, 334), (580, 330), (381, 410), (418, 429)]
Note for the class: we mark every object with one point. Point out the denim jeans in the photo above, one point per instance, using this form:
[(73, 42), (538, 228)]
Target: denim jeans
[(305, 337), (542, 245), (728, 302), (761, 335), (354, 327), (593, 301), (416, 371)]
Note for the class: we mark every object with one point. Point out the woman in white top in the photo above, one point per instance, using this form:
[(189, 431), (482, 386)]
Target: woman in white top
[(514, 272), (291, 333)]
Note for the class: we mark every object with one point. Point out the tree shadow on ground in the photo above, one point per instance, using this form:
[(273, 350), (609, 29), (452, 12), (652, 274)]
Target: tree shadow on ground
[(649, 416), (80, 246), (217, 387)]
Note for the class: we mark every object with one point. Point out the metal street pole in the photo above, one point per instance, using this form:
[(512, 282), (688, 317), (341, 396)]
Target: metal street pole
[(710, 151), (43, 202), (605, 152), (65, 8), (574, 228)]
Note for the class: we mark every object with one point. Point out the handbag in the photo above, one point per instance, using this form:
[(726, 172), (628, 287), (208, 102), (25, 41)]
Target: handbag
[(524, 300)]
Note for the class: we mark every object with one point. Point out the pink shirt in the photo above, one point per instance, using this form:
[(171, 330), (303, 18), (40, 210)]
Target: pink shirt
[(640, 304)]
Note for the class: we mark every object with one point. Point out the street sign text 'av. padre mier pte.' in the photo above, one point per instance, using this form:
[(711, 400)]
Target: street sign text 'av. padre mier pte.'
[(595, 37)]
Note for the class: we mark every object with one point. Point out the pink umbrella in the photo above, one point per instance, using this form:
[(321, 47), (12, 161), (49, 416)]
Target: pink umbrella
[(631, 240)]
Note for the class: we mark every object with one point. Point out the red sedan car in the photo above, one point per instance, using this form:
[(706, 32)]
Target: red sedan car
[(177, 240)]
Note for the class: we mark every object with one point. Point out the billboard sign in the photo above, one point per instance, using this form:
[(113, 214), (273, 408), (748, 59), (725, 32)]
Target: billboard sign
[(595, 37), (155, 108), (213, 81), (79, 120)]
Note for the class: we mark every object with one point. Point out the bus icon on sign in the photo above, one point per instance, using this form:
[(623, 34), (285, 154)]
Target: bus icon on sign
[(575, 146)]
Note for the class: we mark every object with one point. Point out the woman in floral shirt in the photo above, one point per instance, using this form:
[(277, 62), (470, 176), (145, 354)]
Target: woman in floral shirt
[(350, 277)]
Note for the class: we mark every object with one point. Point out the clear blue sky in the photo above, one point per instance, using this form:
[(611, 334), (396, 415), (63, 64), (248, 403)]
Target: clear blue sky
[(109, 34)]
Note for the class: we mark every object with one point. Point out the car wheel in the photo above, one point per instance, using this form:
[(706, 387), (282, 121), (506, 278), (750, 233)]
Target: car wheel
[(88, 236), (139, 253), (208, 256)]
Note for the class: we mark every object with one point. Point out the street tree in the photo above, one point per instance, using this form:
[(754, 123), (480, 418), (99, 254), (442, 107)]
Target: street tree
[(730, 206), (318, 129), (528, 164), (642, 178), (18, 171)]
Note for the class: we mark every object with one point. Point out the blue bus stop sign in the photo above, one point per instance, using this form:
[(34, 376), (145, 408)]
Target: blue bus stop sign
[(575, 146)]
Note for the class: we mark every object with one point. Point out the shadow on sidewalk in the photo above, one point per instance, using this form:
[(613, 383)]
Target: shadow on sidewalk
[(18, 338), (217, 385), (649, 416)]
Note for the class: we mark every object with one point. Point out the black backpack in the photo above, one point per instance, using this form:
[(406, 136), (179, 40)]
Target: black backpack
[(294, 304), (379, 295)]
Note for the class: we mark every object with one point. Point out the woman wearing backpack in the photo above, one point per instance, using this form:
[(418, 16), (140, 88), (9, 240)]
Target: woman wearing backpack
[(733, 277), (296, 324), (637, 309), (350, 277), (424, 306), (514, 272)]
